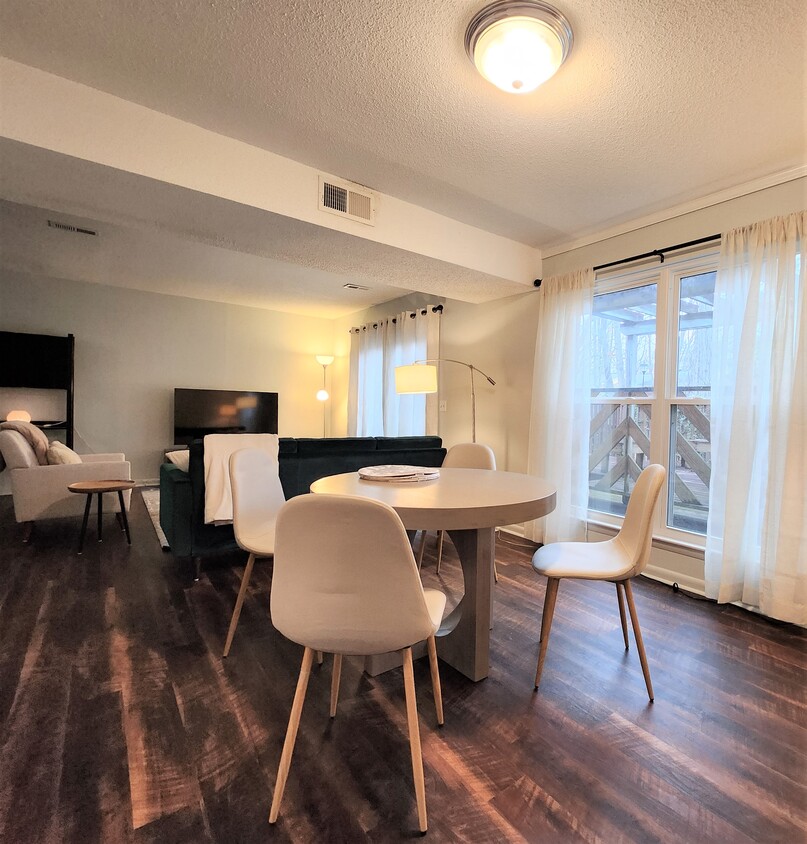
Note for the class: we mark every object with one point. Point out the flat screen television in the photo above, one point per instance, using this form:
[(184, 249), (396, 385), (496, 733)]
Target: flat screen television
[(200, 412)]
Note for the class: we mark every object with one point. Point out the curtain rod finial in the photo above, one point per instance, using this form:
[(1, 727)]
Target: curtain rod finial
[(537, 282)]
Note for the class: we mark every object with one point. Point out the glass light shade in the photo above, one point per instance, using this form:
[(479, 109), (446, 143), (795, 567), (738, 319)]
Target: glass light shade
[(417, 378), (518, 54), (325, 360), (322, 395), (18, 416)]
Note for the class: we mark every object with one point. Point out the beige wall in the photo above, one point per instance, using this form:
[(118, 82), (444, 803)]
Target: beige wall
[(499, 338), (133, 348)]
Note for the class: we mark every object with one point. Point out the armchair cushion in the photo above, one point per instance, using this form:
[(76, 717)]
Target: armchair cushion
[(59, 454)]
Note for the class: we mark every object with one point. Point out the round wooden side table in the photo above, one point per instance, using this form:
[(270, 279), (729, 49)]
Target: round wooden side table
[(90, 488)]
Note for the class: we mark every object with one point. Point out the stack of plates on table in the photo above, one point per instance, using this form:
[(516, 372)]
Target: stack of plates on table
[(399, 474)]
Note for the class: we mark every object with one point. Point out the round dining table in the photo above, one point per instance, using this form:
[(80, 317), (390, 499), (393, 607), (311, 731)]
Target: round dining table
[(468, 504)]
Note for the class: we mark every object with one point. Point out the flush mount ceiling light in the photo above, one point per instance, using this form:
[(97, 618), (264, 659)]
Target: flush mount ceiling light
[(518, 45)]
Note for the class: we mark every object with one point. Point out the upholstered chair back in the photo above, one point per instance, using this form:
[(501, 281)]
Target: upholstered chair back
[(345, 579), (470, 456), (256, 490), (636, 533)]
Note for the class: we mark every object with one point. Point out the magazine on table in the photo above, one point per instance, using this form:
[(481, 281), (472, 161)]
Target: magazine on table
[(395, 473)]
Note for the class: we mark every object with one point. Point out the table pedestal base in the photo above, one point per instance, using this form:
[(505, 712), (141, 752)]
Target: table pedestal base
[(463, 640)]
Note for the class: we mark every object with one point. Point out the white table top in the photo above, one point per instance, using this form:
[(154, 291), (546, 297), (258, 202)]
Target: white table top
[(460, 499)]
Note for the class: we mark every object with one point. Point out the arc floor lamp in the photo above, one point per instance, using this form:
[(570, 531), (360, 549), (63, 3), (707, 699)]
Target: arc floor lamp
[(421, 377)]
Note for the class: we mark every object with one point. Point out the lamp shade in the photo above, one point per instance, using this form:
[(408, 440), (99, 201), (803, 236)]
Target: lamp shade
[(325, 360), (417, 378), (18, 416)]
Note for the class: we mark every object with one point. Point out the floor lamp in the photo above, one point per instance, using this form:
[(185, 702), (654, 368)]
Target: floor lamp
[(420, 377), (322, 395)]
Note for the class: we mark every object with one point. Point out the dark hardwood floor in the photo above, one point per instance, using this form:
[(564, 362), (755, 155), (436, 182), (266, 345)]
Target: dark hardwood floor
[(119, 721)]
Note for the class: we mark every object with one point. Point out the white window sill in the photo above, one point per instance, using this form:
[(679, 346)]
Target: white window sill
[(677, 546)]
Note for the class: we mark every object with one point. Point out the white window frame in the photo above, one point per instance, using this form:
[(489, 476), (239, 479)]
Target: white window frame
[(667, 278)]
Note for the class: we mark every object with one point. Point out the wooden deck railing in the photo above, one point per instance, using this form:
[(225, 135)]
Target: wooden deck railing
[(637, 445)]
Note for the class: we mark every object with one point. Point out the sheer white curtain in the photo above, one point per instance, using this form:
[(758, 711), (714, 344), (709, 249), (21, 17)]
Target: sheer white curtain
[(756, 545), (374, 408), (561, 403)]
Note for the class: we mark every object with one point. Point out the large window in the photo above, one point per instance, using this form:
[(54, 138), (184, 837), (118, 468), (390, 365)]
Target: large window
[(650, 375)]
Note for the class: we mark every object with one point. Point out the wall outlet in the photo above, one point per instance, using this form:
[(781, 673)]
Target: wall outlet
[(443, 406)]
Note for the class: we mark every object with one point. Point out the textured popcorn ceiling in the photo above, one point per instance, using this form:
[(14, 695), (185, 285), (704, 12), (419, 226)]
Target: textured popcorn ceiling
[(659, 103)]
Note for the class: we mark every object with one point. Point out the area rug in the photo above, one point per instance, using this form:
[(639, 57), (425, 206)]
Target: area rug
[(151, 498)]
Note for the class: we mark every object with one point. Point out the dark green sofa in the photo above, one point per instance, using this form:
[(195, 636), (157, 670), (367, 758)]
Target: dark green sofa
[(301, 462)]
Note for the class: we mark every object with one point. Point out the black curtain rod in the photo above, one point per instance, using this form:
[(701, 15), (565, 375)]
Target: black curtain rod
[(436, 309), (659, 253)]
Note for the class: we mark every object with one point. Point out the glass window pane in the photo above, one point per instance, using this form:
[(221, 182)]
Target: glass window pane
[(618, 451), (691, 462), (693, 376), (623, 342)]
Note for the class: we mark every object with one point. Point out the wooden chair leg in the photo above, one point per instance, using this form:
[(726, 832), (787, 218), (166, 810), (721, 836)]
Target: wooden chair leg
[(337, 673), (440, 536), (320, 657), (637, 633), (622, 616), (546, 623), (423, 535), (291, 733), (437, 690), (239, 602), (414, 737)]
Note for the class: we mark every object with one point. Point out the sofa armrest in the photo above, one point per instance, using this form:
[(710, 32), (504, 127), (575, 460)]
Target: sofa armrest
[(176, 509), (114, 457), (40, 492), (68, 473)]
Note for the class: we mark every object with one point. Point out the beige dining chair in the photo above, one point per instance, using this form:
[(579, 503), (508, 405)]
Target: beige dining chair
[(462, 456), (618, 560), (345, 582), (257, 499)]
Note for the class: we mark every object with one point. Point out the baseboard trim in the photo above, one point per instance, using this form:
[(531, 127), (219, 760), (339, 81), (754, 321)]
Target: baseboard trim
[(689, 584)]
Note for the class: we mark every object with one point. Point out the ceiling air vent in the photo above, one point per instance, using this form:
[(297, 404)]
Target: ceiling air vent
[(351, 286), (347, 200), (66, 227)]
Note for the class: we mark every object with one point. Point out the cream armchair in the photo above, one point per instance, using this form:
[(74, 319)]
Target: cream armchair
[(40, 492)]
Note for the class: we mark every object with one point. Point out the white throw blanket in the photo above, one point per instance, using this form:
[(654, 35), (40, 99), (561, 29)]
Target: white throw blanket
[(218, 448)]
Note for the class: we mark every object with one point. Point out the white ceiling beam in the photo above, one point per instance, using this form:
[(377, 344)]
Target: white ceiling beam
[(53, 113)]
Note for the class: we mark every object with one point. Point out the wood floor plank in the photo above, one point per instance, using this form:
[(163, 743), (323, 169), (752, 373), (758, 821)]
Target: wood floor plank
[(120, 721)]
